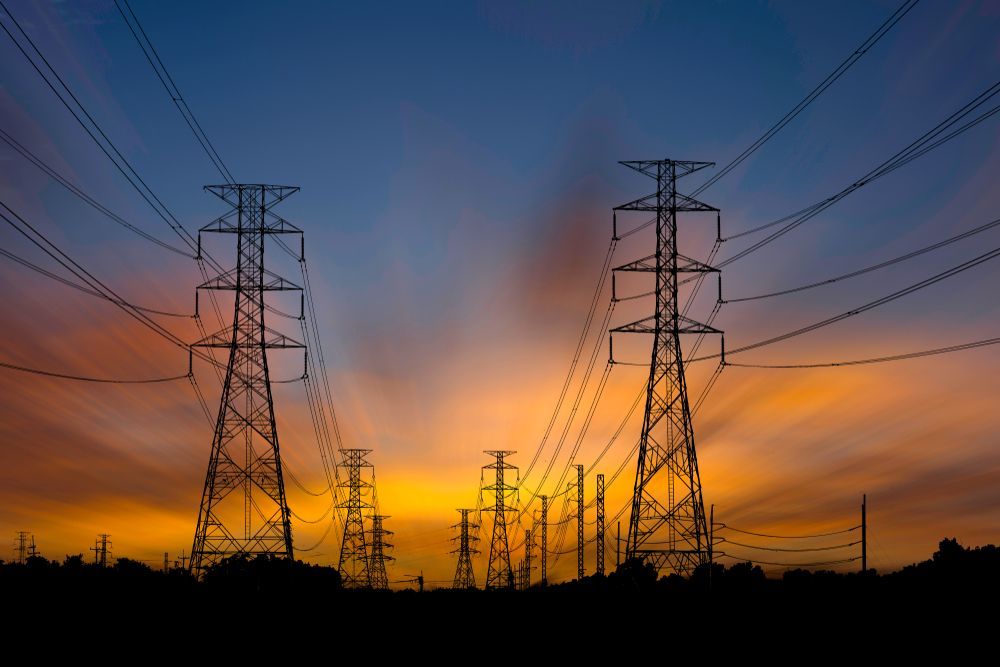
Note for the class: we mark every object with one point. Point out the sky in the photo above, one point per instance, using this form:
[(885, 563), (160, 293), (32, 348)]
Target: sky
[(458, 167)]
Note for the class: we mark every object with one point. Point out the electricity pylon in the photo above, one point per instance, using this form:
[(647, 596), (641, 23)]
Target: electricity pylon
[(667, 525), (21, 546), (243, 506), (499, 573), (600, 524), (545, 540), (379, 577), (354, 566), (464, 576), (528, 544), (102, 550)]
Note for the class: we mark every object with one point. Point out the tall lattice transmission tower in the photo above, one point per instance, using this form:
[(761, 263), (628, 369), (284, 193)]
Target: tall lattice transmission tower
[(579, 521), (545, 541), (529, 545), (102, 550), (599, 541), (464, 576), (499, 573), (243, 506), (667, 525), (355, 564), (379, 576), (22, 546)]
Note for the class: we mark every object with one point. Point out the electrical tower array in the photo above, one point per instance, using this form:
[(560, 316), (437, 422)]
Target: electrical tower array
[(499, 573), (464, 576), (244, 510), (667, 525)]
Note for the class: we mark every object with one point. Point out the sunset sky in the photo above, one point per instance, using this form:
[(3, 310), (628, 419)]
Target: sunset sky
[(458, 167)]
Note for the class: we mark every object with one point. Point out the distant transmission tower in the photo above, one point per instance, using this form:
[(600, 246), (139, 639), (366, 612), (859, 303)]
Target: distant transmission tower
[(600, 525), (545, 540), (243, 506), (21, 546), (499, 573), (667, 526), (379, 577), (579, 521), (354, 566), (102, 550), (528, 544), (464, 576)]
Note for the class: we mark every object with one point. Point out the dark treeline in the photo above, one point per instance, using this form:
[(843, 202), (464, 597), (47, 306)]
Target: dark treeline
[(952, 569)]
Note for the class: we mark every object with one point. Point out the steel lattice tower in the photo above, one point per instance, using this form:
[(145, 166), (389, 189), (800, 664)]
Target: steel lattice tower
[(102, 550), (21, 546), (243, 506), (600, 524), (464, 576), (526, 584), (579, 521), (379, 577), (667, 524), (545, 540), (354, 558), (499, 573)]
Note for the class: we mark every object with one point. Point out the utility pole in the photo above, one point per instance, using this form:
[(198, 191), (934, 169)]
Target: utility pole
[(244, 510), (499, 573), (354, 558), (101, 549), (667, 524), (545, 540), (579, 521), (183, 559), (379, 577), (600, 524), (166, 562), (864, 533), (32, 548), (465, 578)]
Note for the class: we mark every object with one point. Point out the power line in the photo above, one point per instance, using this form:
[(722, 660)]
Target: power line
[(82, 378), (38, 239), (69, 283), (122, 164), (803, 550), (813, 564), (83, 196), (878, 360), (841, 69), (605, 269), (172, 90), (927, 282), (925, 143), (874, 267), (723, 526)]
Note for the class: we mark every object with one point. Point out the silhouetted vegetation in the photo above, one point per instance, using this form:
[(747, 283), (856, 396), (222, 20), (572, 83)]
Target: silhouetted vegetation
[(952, 570)]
